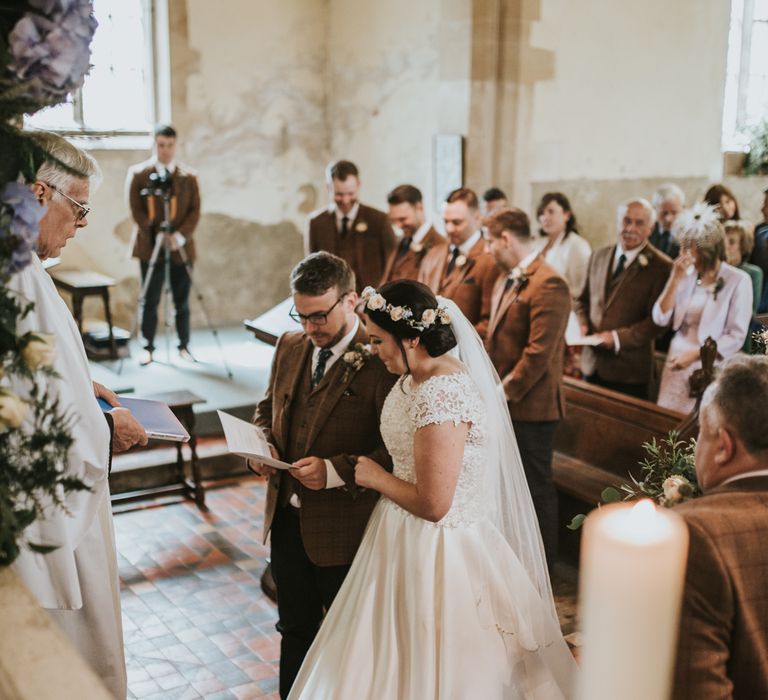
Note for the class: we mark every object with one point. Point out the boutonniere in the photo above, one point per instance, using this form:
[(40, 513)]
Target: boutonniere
[(361, 227), (354, 358), (420, 248), (519, 277), (461, 261), (642, 260), (718, 286)]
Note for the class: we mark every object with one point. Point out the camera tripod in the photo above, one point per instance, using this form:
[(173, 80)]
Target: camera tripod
[(162, 188)]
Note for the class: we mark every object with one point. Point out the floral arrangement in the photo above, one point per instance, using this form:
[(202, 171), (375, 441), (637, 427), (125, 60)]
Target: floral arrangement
[(376, 302), (44, 55), (668, 476), (354, 358)]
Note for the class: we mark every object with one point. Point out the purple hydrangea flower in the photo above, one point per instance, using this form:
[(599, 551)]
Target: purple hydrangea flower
[(51, 51), (20, 215)]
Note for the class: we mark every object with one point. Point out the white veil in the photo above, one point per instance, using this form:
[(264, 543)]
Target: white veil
[(505, 489)]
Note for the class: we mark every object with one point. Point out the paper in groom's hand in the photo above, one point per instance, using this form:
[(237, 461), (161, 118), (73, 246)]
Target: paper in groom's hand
[(247, 440)]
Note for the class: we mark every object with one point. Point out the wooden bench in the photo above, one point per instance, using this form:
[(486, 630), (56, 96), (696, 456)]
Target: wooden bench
[(80, 284), (599, 442)]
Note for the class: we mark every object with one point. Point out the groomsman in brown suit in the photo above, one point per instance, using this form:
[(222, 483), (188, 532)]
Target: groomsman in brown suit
[(466, 272), (148, 213), (723, 645), (623, 283), (406, 212), (525, 341), (359, 234), (320, 413)]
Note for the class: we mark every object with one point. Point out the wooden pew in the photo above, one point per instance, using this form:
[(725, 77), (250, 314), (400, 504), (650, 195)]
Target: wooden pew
[(599, 442)]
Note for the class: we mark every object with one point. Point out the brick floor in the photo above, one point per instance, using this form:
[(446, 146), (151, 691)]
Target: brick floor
[(196, 623)]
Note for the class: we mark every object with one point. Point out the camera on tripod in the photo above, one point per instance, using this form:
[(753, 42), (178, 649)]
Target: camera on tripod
[(160, 185)]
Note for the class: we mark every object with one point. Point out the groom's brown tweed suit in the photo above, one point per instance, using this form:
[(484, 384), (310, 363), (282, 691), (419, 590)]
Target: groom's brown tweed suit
[(313, 546)]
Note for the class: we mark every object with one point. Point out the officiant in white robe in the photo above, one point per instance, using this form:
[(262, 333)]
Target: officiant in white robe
[(78, 582)]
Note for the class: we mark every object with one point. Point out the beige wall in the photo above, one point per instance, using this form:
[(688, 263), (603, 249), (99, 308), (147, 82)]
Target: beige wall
[(600, 100)]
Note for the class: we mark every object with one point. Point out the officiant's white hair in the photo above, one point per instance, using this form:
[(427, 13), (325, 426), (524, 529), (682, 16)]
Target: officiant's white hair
[(68, 154)]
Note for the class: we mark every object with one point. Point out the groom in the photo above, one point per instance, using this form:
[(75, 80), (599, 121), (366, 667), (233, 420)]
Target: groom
[(320, 413)]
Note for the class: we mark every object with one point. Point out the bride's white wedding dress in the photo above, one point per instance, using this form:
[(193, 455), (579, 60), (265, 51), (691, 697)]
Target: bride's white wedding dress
[(437, 610)]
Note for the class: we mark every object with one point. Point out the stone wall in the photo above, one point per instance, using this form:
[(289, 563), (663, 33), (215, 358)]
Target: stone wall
[(599, 100)]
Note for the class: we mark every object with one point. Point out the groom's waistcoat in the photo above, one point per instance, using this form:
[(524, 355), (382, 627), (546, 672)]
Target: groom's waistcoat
[(337, 420)]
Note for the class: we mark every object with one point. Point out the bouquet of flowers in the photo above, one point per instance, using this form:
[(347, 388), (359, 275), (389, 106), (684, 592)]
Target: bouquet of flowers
[(668, 476), (44, 55)]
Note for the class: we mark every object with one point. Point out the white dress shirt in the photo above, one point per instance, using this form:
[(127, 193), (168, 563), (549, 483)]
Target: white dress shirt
[(746, 475), (351, 216), (465, 247)]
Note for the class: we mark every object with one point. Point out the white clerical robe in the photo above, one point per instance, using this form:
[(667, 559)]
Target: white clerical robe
[(78, 582)]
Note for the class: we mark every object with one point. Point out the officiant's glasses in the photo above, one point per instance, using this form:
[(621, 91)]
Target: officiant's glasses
[(319, 318), (81, 212)]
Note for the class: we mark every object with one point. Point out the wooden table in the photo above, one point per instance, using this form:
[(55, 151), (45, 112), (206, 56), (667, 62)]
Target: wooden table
[(181, 403), (80, 284)]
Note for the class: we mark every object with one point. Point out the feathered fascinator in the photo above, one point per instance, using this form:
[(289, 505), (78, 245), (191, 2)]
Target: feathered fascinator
[(699, 226)]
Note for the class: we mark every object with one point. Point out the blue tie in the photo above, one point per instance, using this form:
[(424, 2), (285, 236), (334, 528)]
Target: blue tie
[(319, 372)]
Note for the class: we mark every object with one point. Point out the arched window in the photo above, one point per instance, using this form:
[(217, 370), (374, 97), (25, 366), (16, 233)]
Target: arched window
[(124, 94), (746, 87)]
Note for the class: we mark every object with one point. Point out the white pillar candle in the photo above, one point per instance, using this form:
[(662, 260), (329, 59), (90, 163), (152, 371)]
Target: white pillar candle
[(633, 558)]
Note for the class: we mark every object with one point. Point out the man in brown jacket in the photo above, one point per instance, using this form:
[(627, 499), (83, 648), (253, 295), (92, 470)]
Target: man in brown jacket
[(359, 234), (148, 213), (406, 212), (529, 313), (466, 272), (623, 283), (321, 411), (723, 645)]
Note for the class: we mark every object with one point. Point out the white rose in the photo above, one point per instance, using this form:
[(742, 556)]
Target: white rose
[(417, 247), (376, 302), (428, 317), (40, 351), (396, 313), (461, 261), (671, 486), (350, 357), (12, 410)]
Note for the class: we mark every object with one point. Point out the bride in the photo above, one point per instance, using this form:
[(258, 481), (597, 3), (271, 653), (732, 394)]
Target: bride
[(448, 596)]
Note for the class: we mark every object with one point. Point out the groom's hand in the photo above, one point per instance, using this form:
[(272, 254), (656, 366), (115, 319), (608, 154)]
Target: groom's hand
[(311, 472), (263, 469)]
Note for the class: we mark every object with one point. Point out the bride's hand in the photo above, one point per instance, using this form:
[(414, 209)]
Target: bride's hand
[(366, 472)]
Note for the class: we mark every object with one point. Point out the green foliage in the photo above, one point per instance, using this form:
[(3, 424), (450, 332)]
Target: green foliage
[(756, 161), (669, 459), (35, 430)]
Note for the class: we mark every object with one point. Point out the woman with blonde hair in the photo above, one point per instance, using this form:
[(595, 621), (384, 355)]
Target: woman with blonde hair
[(704, 297)]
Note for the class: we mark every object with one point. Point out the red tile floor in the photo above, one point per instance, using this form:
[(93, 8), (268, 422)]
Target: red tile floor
[(196, 623)]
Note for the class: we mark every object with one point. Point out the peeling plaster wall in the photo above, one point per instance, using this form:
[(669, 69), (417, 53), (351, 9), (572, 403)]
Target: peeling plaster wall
[(397, 75), (599, 100), (602, 101)]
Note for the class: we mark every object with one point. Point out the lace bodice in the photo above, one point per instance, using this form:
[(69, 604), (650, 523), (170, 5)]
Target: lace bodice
[(451, 397)]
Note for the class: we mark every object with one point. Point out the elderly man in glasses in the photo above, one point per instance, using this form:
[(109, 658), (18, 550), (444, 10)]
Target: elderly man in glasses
[(321, 412), (77, 583)]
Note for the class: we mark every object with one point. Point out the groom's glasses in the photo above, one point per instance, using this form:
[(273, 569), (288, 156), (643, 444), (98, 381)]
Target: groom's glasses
[(319, 318)]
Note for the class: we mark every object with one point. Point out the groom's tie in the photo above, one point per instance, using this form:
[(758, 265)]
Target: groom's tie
[(322, 359)]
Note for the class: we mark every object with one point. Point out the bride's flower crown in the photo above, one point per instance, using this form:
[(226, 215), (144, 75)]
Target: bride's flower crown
[(375, 302)]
